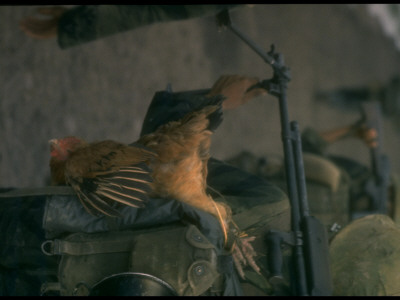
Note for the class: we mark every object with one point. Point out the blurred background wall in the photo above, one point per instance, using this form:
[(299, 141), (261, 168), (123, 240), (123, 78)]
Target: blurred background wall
[(101, 90)]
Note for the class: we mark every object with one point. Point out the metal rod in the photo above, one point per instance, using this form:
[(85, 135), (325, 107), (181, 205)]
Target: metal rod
[(299, 163), (261, 52)]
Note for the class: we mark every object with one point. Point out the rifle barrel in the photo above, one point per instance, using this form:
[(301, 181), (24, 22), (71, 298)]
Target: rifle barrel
[(301, 286)]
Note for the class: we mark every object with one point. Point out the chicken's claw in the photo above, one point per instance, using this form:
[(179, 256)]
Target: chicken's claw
[(243, 254)]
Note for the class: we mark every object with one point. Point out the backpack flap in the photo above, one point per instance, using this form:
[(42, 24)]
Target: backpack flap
[(182, 256)]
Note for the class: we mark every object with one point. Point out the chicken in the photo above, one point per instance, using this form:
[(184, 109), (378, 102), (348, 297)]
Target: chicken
[(170, 162)]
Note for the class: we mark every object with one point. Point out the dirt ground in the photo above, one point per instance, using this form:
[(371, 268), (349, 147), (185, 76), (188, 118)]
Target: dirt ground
[(101, 90)]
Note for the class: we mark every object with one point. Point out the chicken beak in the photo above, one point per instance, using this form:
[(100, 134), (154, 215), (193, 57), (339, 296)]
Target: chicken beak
[(53, 141), (54, 144)]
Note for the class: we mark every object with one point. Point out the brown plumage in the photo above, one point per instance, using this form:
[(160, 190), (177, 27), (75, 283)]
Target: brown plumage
[(169, 163), (180, 169)]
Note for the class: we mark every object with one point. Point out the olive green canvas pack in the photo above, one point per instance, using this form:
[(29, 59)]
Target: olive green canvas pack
[(179, 255)]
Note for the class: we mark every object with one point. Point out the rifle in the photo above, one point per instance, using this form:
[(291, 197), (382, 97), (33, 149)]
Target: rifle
[(376, 187), (308, 236)]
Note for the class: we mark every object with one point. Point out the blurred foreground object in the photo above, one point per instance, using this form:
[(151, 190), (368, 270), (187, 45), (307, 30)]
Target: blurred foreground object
[(365, 258)]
